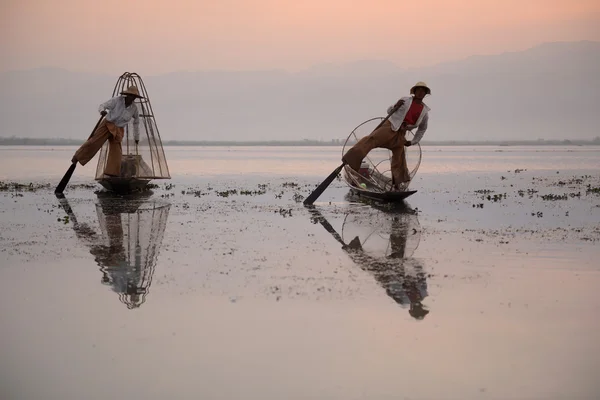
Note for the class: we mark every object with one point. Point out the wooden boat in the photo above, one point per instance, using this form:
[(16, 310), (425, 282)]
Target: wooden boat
[(373, 180), (140, 163)]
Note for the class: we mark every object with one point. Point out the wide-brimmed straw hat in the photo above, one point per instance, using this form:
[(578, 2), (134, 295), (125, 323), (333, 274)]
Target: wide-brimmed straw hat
[(420, 84), (133, 91)]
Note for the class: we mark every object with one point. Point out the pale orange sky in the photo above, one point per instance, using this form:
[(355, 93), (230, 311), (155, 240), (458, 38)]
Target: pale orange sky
[(155, 36)]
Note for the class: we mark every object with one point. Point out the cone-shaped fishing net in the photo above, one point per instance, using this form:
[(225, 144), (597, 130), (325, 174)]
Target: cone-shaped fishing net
[(146, 160), (375, 172)]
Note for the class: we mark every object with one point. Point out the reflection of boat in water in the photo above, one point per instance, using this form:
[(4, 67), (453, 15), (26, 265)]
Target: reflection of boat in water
[(140, 162), (131, 233), (373, 180), (382, 242)]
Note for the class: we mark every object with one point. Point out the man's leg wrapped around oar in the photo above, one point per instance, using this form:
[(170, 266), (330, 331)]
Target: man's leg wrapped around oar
[(382, 137), (105, 131)]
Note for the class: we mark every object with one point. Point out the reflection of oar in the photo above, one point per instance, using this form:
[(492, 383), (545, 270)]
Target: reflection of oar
[(325, 184), (65, 180), (67, 207), (354, 243), (82, 231), (319, 217)]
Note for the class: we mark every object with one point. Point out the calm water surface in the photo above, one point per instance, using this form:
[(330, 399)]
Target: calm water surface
[(186, 293), (29, 162)]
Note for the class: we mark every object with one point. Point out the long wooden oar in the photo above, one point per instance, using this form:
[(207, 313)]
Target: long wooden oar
[(65, 180), (321, 188)]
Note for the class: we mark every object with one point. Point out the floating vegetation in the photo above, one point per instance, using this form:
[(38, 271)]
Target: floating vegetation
[(83, 186), (496, 197), (570, 182), (20, 187), (226, 193), (490, 197), (284, 212), (530, 192), (554, 197), (261, 190), (594, 190), (196, 193), (298, 197)]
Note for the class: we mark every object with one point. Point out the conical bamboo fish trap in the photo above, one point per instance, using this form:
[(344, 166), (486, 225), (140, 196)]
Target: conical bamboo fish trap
[(140, 163), (375, 173)]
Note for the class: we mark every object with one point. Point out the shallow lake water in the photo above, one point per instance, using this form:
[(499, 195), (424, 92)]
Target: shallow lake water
[(220, 284)]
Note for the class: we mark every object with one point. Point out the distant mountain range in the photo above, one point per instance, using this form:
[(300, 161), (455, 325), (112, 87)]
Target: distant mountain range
[(551, 91)]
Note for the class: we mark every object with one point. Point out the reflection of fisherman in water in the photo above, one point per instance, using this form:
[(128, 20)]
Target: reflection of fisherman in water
[(132, 231), (391, 265)]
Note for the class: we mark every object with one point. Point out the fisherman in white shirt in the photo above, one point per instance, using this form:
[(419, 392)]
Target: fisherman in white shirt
[(121, 110), (408, 113)]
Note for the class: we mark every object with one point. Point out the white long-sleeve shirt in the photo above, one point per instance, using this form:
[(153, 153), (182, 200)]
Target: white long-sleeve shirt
[(397, 118), (120, 115)]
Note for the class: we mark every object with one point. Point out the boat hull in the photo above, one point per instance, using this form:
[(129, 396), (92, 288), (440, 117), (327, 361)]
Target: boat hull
[(124, 185), (386, 197)]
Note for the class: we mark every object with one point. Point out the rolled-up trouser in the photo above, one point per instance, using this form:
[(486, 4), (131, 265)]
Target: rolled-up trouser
[(105, 131), (383, 137)]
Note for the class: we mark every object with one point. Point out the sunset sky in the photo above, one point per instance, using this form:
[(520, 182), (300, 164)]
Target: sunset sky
[(155, 36)]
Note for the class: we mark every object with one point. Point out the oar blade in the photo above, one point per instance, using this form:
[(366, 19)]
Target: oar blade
[(65, 180), (321, 188)]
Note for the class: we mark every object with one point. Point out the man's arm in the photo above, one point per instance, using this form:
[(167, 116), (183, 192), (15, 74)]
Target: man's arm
[(420, 131), (108, 105), (396, 106)]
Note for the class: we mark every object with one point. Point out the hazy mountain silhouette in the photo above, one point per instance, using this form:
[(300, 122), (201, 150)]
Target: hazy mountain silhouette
[(551, 91)]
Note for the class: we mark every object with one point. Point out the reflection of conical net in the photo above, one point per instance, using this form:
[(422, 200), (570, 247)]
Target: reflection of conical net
[(383, 234), (134, 239), (392, 266), (383, 244), (375, 171), (147, 159)]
